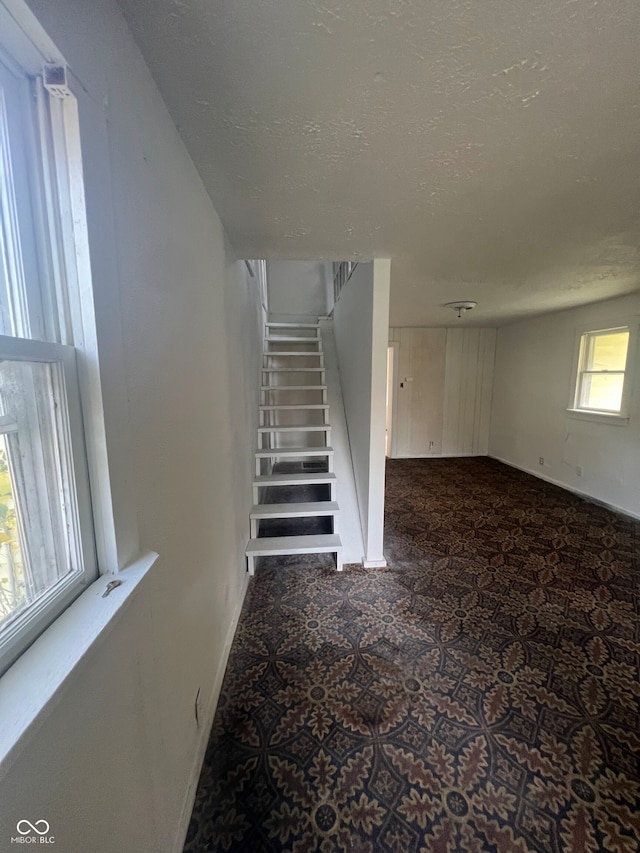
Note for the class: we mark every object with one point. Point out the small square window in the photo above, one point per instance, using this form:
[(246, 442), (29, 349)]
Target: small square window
[(602, 368)]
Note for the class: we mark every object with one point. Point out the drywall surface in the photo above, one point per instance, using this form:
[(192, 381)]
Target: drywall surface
[(442, 402), (379, 334), (361, 318), (535, 363), (298, 287), (113, 760), (244, 336), (348, 524)]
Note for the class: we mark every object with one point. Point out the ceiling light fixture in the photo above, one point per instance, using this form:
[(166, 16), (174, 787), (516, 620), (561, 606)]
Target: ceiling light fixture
[(461, 307)]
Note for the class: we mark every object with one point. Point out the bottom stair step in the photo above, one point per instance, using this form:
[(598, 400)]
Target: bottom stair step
[(327, 543)]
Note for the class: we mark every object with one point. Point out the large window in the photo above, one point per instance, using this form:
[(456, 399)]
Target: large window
[(602, 371), (47, 552)]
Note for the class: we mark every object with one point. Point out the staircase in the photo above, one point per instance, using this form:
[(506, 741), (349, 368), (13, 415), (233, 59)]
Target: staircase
[(294, 487)]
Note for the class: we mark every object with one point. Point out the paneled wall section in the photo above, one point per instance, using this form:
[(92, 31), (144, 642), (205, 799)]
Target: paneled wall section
[(443, 392)]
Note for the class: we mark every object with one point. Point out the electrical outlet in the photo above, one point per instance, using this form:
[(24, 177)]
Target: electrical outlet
[(579, 470), (541, 460), (431, 443)]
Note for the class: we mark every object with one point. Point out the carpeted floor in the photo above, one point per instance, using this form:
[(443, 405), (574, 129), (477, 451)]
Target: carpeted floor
[(481, 694)]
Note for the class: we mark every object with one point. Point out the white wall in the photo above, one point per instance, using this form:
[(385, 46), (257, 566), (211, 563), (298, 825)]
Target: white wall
[(533, 376), (361, 319), (299, 287), (348, 524), (442, 401), (110, 764)]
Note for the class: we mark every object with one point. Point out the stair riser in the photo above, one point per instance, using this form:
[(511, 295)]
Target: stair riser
[(293, 408), (292, 428), (254, 524), (295, 480), (282, 393), (271, 455), (289, 354), (280, 512), (293, 339), (257, 489), (281, 324), (272, 446), (274, 420), (293, 368)]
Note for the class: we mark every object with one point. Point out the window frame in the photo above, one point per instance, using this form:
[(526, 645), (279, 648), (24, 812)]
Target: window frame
[(583, 334), (24, 629), (43, 214)]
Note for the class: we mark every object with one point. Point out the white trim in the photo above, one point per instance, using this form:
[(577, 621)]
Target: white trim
[(567, 487), (29, 689), (611, 418), (374, 564), (25, 39), (75, 248), (393, 444), (440, 455), (207, 723)]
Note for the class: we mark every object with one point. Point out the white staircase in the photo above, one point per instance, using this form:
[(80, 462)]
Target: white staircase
[(294, 428)]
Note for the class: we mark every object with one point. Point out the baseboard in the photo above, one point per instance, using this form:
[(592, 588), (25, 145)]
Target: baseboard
[(207, 723), (568, 488), (374, 564), (435, 455)]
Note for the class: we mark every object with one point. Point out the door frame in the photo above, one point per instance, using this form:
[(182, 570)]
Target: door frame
[(392, 385)]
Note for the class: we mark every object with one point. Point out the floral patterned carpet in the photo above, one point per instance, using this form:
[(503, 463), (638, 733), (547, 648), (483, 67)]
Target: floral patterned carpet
[(480, 694)]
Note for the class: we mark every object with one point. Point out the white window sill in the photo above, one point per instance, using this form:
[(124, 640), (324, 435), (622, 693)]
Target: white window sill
[(599, 417), (28, 687)]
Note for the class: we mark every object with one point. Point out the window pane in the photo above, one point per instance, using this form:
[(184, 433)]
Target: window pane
[(20, 272), (602, 392), (13, 592), (36, 511), (609, 352)]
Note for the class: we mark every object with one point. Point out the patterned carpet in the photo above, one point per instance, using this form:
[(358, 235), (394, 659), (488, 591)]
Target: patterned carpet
[(481, 694)]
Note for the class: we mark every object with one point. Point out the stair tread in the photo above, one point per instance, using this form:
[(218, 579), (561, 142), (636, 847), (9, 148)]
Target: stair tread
[(294, 451), (281, 353), (293, 406), (298, 479), (279, 325), (312, 544), (293, 388), (289, 428), (293, 369), (292, 339), (295, 510)]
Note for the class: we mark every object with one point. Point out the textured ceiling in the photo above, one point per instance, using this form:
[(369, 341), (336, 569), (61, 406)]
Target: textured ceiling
[(490, 147)]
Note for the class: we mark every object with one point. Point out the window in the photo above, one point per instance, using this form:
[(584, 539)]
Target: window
[(602, 371), (47, 550)]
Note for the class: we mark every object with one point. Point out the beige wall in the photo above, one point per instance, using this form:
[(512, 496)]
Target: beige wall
[(442, 398)]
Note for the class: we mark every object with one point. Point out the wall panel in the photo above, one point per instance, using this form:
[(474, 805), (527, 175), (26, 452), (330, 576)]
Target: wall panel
[(444, 391)]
